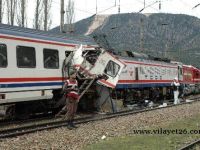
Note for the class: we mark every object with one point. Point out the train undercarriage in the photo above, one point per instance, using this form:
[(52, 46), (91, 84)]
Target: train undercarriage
[(97, 99)]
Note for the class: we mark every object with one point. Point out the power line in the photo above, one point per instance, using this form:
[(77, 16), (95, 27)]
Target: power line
[(197, 5), (147, 6), (106, 9), (83, 10), (190, 6), (119, 7)]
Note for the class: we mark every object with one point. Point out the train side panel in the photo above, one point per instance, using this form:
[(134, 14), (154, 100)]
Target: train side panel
[(187, 74), (144, 74), (196, 75), (31, 83)]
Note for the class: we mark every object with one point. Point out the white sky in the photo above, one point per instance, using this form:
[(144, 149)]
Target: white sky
[(86, 8)]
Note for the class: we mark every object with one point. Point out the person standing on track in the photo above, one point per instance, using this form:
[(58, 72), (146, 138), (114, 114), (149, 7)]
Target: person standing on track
[(176, 85), (72, 99), (182, 91)]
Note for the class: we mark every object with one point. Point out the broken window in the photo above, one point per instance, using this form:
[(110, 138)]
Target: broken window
[(91, 56), (51, 59), (112, 69)]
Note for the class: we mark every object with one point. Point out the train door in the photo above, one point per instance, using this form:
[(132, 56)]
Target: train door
[(110, 67), (67, 64), (180, 73), (136, 73)]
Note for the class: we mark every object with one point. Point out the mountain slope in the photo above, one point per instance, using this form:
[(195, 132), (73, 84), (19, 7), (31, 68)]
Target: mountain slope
[(170, 35)]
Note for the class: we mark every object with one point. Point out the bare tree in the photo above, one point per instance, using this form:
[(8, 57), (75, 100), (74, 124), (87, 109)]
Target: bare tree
[(11, 11), (1, 10), (42, 14), (70, 15), (47, 16), (38, 15), (21, 13)]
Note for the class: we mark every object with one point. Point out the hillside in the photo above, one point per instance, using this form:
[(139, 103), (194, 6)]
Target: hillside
[(174, 36)]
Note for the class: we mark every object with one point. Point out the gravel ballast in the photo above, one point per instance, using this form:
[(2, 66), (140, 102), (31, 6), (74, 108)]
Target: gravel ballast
[(62, 138)]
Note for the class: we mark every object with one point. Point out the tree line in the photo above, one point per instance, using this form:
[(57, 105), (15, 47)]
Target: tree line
[(14, 12)]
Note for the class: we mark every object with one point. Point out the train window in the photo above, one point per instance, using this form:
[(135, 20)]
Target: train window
[(136, 74), (3, 56), (26, 57), (112, 69), (51, 59), (142, 70)]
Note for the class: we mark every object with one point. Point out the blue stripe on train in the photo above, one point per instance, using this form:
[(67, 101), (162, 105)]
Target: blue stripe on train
[(119, 86), (129, 86), (18, 85)]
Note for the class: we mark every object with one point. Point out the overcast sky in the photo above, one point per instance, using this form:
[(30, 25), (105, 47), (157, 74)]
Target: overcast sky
[(86, 8)]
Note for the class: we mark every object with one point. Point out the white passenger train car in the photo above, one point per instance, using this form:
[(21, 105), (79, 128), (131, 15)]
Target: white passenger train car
[(31, 61)]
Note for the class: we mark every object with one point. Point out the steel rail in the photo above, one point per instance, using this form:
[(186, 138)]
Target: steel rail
[(4, 123), (191, 145)]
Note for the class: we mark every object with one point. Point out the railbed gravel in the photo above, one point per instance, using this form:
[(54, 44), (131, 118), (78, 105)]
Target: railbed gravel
[(88, 133)]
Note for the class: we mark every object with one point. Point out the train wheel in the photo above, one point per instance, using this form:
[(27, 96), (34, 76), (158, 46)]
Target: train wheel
[(10, 112), (22, 112)]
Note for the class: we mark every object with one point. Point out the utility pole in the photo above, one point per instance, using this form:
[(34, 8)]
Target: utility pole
[(119, 7), (166, 43), (62, 12), (96, 7), (37, 14), (141, 35), (45, 15), (1, 12), (23, 12), (142, 32), (159, 5)]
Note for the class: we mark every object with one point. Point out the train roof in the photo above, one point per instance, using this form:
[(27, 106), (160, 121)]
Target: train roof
[(130, 55), (44, 35), (148, 61)]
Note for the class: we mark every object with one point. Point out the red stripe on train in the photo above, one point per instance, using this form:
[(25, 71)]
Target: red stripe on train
[(30, 79), (40, 41), (140, 63), (36, 41), (107, 83), (149, 81)]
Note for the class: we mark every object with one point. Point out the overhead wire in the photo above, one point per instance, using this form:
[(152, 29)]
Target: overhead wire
[(197, 5), (147, 6), (57, 4), (190, 7)]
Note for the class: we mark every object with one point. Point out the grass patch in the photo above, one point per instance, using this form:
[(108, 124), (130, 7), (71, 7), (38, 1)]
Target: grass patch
[(154, 141)]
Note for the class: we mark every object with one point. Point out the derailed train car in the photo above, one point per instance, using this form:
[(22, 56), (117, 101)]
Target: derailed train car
[(34, 65)]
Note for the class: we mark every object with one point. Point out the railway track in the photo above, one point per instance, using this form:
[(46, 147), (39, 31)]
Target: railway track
[(192, 146), (17, 131), (41, 117), (4, 123)]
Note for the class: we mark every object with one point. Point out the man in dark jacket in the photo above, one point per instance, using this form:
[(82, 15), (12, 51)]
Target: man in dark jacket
[(72, 99)]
